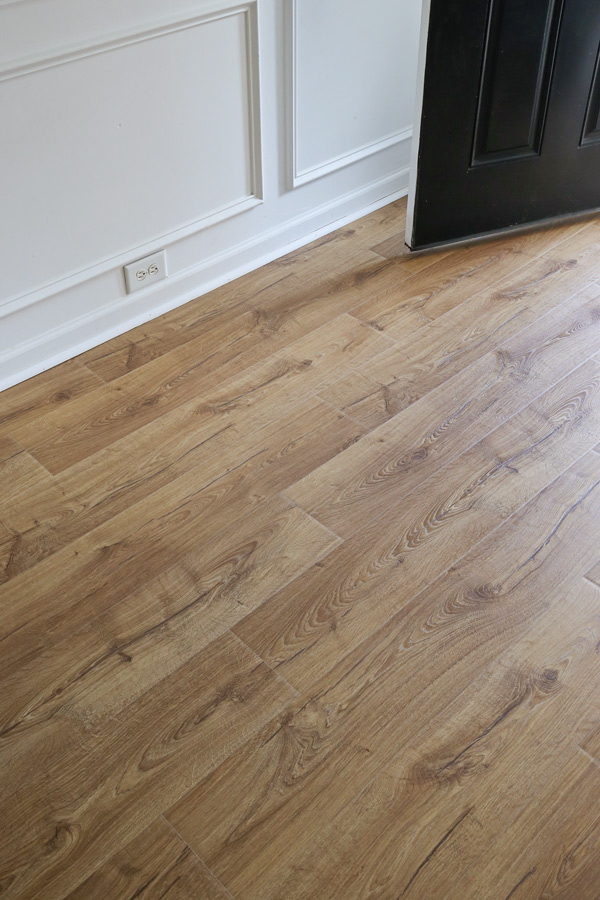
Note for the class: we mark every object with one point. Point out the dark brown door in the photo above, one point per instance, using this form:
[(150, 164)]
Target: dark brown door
[(510, 130)]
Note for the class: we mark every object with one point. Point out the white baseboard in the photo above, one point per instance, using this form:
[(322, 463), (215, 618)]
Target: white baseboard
[(110, 317)]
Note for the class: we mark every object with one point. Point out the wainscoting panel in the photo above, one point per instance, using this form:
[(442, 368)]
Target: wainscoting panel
[(350, 94), (156, 133), (515, 82)]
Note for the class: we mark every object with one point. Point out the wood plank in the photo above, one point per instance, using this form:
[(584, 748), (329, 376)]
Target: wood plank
[(397, 457), (555, 850), (362, 398), (154, 865), (334, 252), (209, 313), (308, 763), (144, 395), (385, 222), (5, 536), (448, 281), (63, 683), (555, 663), (401, 834), (22, 481), (8, 448), (507, 846), (321, 295), (305, 629), (252, 329), (121, 474), (59, 441), (72, 588), (141, 761), (269, 320), (7, 543), (242, 468), (54, 389), (375, 394), (503, 265), (392, 247), (426, 358), (337, 251)]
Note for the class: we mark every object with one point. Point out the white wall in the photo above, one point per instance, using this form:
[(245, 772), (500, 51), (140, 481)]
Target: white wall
[(225, 133)]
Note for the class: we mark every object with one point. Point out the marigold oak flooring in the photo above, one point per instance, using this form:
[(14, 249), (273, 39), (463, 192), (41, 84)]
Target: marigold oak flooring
[(300, 586)]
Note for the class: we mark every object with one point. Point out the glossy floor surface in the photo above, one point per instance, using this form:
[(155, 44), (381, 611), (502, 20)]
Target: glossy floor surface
[(300, 586)]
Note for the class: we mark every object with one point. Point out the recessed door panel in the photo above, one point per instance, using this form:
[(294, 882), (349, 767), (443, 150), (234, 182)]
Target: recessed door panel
[(591, 126), (517, 69)]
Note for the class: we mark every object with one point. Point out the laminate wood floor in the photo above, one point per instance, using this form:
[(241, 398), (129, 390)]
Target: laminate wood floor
[(300, 586)]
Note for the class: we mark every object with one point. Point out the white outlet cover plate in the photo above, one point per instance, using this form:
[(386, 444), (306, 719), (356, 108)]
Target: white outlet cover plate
[(135, 281)]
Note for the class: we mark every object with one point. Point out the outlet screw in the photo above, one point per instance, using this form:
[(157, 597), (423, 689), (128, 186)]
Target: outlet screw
[(140, 274), (153, 269)]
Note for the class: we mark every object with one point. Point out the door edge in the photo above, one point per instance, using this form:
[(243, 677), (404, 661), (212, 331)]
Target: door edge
[(418, 113)]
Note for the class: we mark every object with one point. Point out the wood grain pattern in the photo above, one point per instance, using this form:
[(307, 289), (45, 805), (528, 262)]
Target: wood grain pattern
[(373, 403), (426, 358), (118, 409), (300, 586), (158, 748), (90, 577), (359, 586), (395, 458), (500, 267), (441, 286), (157, 864), (490, 731), (306, 765), (236, 468), (85, 676), (51, 390)]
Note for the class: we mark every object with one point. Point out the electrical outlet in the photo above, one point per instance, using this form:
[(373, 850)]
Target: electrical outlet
[(146, 271)]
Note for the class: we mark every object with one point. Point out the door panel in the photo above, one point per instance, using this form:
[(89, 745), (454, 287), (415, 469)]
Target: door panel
[(519, 54), (510, 130), (591, 126)]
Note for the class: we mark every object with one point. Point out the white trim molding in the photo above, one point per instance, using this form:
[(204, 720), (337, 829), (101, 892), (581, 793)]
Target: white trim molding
[(346, 159), (299, 177), (40, 61)]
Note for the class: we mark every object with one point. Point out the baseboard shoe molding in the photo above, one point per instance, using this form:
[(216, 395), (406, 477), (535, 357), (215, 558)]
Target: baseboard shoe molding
[(107, 320)]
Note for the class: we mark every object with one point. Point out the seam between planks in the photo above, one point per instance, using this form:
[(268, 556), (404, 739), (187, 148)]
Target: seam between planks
[(340, 540), (197, 856), (591, 758), (361, 425), (278, 675)]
